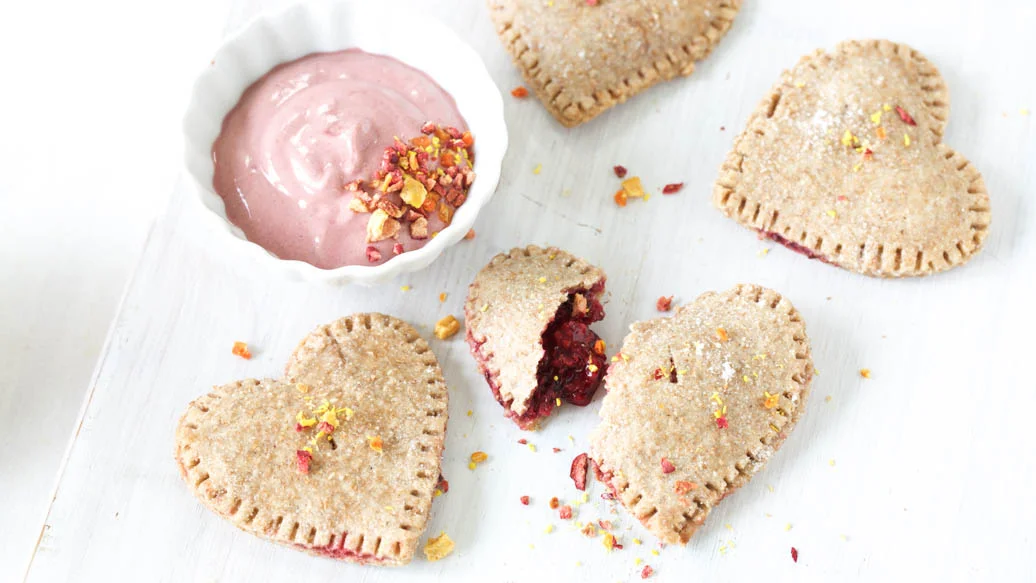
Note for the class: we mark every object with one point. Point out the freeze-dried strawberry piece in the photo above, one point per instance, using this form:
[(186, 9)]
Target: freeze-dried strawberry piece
[(667, 466), (578, 471), (302, 459)]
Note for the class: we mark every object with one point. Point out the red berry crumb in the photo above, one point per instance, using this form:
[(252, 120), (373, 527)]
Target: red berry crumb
[(565, 512), (903, 115), (646, 572), (794, 554), (525, 500), (302, 458), (664, 303), (620, 171), (667, 466), (578, 471), (672, 188)]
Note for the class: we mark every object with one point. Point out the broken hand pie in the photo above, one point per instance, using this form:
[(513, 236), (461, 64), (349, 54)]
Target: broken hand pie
[(338, 459), (582, 57), (528, 316), (698, 402), (844, 162)]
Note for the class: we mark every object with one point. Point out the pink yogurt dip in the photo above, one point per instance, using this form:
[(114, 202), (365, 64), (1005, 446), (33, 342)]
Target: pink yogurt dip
[(306, 129)]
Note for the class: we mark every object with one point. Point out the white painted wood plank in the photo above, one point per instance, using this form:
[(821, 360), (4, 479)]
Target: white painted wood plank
[(90, 129), (932, 473)]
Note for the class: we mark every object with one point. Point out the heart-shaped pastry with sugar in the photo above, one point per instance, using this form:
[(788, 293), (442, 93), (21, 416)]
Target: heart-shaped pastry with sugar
[(843, 161), (528, 316), (338, 459), (698, 402), (581, 57)]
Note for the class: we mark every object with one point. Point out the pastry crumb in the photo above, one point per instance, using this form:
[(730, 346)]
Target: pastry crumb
[(438, 547), (446, 327)]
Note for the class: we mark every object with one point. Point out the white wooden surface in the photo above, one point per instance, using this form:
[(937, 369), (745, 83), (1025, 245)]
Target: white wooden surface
[(86, 164), (923, 470)]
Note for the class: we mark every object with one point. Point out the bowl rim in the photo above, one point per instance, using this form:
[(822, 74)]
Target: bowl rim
[(212, 207)]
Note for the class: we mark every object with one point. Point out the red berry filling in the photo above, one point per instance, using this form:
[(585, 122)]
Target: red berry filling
[(334, 552), (571, 370), (796, 247)]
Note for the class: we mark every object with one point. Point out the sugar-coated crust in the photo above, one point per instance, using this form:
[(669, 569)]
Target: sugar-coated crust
[(670, 378), (581, 60), (509, 306), (903, 210), (236, 447)]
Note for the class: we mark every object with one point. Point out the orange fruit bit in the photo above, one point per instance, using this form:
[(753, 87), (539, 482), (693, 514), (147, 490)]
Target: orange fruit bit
[(421, 141), (375, 443), (468, 139), (683, 486), (599, 347), (241, 349), (520, 92), (447, 160), (479, 457), (620, 198), (470, 234), (721, 334)]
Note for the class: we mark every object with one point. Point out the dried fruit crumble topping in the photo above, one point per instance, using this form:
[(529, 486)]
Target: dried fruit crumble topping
[(418, 187)]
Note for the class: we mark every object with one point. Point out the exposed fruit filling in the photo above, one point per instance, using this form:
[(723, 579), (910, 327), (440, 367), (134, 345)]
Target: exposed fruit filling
[(334, 552), (796, 247), (573, 363)]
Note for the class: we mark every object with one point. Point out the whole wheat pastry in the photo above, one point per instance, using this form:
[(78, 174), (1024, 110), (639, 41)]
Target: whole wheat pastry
[(339, 458), (582, 57), (528, 316), (698, 402), (843, 161)]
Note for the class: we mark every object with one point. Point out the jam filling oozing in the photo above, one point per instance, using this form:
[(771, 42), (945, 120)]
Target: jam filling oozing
[(796, 247), (570, 370), (332, 552)]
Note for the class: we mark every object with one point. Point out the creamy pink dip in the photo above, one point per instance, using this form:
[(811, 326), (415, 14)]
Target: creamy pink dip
[(306, 129)]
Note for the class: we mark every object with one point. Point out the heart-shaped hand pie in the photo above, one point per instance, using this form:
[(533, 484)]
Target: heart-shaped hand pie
[(340, 458), (583, 56), (843, 161), (528, 317), (698, 402)]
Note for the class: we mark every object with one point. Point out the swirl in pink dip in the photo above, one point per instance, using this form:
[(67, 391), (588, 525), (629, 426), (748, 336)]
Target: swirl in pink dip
[(306, 129)]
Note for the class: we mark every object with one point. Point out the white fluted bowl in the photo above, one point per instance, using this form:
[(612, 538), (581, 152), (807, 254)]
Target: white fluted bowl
[(333, 25)]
